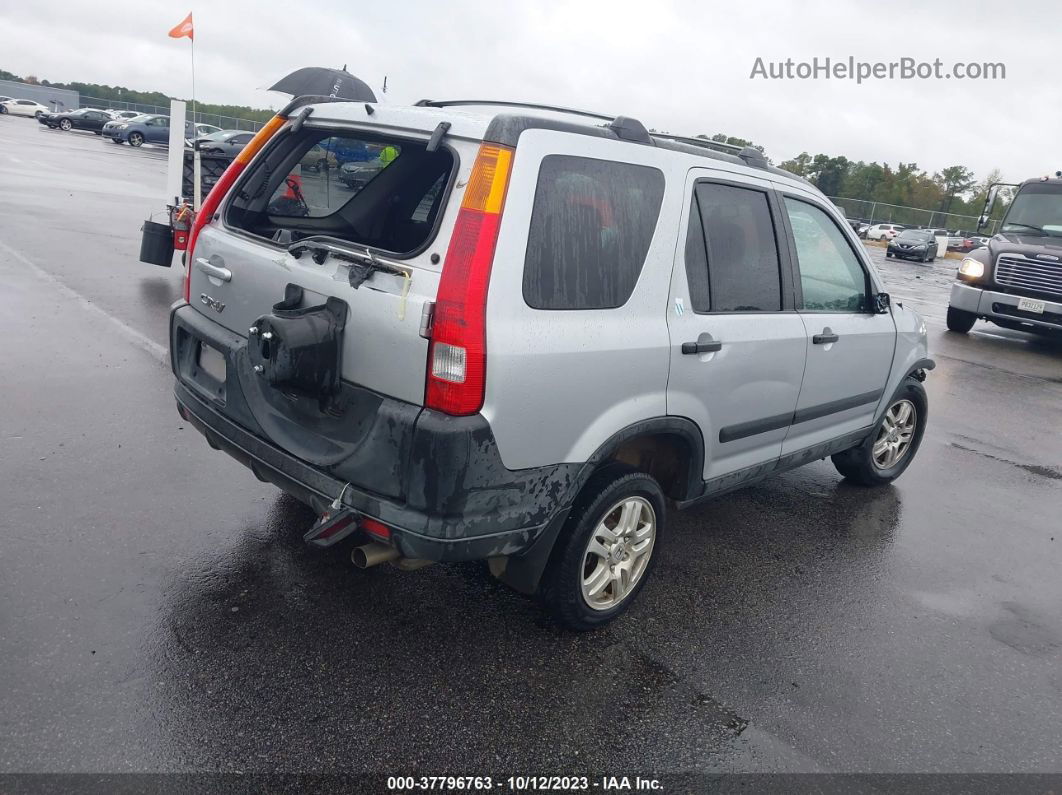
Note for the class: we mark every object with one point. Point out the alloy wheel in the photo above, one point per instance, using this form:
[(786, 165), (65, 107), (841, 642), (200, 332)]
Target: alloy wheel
[(895, 435), (618, 553)]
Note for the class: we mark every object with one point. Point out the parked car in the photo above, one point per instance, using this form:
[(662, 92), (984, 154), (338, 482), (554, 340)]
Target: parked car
[(4, 99), (961, 243), (225, 142), (83, 119), (123, 115), (199, 130), (332, 349), (24, 107), (920, 244), (148, 128), (883, 231), (318, 158), (357, 175)]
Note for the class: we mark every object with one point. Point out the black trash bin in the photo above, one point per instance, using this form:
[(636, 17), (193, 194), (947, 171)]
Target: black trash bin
[(156, 244)]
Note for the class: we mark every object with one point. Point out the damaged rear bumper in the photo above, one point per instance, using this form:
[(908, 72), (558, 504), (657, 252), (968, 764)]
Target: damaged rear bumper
[(446, 496), (318, 489)]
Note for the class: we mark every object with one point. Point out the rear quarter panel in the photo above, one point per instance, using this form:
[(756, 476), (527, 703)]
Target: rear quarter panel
[(560, 383)]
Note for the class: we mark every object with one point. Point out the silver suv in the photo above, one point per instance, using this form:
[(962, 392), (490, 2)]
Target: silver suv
[(527, 332)]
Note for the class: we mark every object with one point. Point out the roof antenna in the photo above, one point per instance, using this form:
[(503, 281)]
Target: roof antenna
[(344, 67), (385, 84)]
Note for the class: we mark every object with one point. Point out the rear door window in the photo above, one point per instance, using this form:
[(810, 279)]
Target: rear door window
[(740, 249), (591, 226)]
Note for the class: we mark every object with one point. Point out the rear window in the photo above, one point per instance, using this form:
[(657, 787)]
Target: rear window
[(591, 226), (358, 187)]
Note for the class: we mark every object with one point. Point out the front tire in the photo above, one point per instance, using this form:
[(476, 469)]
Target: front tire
[(136, 139), (889, 450), (65, 125), (960, 321), (606, 551)]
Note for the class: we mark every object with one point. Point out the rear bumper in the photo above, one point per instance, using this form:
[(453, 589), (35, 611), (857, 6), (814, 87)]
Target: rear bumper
[(446, 495), (1003, 307)]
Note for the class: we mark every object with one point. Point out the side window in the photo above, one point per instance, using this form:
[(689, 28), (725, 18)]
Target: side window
[(744, 271), (591, 226), (831, 277), (330, 173)]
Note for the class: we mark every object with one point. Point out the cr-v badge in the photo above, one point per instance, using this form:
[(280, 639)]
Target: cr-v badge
[(217, 306)]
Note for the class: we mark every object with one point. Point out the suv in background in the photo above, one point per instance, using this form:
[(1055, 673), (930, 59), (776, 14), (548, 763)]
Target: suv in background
[(528, 335), (883, 231), (1015, 280)]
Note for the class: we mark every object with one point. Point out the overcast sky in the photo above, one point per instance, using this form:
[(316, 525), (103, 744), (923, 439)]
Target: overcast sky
[(678, 66)]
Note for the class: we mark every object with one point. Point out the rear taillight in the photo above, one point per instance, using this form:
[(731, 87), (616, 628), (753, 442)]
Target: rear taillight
[(457, 359), (220, 189)]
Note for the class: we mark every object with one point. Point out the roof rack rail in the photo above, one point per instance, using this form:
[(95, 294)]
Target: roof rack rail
[(752, 156), (447, 103), (707, 143)]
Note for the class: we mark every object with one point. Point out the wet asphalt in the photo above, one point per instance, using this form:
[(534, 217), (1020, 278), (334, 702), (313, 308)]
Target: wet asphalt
[(159, 611)]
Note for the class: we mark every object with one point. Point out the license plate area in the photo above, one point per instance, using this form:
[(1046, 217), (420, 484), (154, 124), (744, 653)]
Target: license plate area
[(210, 367), (1031, 305)]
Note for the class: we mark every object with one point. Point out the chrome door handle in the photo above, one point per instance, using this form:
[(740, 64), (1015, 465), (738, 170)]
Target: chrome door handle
[(213, 270)]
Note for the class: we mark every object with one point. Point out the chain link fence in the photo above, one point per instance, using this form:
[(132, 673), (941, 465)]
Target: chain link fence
[(224, 122), (881, 213)]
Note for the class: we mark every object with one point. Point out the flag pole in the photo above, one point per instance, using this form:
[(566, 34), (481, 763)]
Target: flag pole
[(197, 173)]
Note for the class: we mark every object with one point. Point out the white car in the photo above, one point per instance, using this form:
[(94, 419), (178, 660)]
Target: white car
[(883, 231), (24, 107)]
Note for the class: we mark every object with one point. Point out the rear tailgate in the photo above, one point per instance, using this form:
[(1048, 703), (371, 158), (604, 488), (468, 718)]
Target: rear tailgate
[(382, 345), (240, 269)]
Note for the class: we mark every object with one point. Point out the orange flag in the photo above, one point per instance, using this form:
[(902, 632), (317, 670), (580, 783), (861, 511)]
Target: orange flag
[(184, 29)]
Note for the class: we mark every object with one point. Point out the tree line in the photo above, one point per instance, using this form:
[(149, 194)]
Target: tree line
[(954, 189)]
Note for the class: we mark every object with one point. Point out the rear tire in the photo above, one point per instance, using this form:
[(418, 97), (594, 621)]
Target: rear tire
[(606, 550), (960, 321), (889, 450)]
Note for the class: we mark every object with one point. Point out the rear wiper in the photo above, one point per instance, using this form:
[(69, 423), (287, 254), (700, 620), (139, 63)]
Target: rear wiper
[(363, 263)]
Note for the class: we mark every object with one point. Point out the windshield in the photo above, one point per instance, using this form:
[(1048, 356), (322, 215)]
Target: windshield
[(913, 234), (1036, 210)]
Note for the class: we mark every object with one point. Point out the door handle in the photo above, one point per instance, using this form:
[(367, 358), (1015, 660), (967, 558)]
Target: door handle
[(825, 337), (690, 348), (213, 270)]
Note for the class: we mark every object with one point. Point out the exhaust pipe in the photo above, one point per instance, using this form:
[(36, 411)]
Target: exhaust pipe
[(372, 554)]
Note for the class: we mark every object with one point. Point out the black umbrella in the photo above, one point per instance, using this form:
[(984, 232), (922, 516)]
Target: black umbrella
[(321, 82)]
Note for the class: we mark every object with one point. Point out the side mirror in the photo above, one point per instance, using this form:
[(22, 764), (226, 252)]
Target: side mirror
[(881, 303), (986, 213)]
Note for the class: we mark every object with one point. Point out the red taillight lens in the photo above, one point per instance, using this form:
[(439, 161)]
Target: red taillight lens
[(457, 359), (375, 528), (221, 187)]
